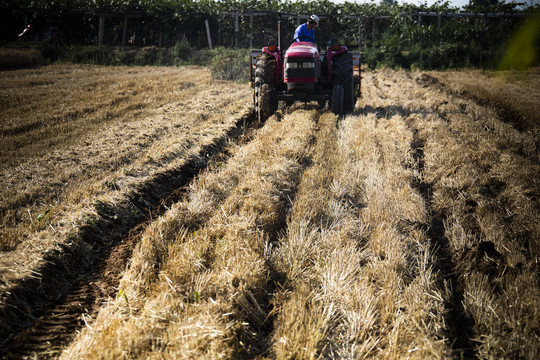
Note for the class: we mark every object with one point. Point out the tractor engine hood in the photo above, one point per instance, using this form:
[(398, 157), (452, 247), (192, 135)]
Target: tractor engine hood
[(302, 67), (302, 49)]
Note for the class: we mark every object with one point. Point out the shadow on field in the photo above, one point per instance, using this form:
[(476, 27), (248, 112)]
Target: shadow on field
[(384, 112)]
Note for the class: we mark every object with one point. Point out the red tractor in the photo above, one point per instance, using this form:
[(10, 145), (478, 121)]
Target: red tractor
[(304, 74)]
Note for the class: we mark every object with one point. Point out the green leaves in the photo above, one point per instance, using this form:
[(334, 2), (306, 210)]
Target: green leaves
[(111, 184), (121, 294), (44, 216), (177, 28)]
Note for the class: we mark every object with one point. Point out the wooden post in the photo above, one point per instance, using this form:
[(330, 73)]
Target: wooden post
[(208, 34), (439, 22), (250, 31), (101, 32), (373, 33), (124, 32), (219, 33), (419, 20), (359, 33), (236, 26), (502, 28)]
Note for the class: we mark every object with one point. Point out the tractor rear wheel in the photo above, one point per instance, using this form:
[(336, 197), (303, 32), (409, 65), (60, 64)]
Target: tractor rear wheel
[(337, 100), (265, 80), (342, 74)]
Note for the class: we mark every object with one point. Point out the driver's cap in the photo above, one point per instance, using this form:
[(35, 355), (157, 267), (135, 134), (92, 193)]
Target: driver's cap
[(314, 19)]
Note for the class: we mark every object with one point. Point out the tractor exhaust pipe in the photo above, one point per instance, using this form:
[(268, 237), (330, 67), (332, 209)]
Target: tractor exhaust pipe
[(280, 33)]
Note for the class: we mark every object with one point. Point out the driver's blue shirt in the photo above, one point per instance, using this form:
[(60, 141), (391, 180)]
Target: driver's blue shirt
[(304, 34)]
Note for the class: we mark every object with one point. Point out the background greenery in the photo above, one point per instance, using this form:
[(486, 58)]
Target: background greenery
[(172, 32)]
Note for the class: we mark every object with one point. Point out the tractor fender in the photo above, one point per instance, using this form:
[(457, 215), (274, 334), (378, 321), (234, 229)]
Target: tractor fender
[(332, 51), (256, 54), (275, 52)]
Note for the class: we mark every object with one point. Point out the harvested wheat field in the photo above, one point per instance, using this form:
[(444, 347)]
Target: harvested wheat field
[(146, 214)]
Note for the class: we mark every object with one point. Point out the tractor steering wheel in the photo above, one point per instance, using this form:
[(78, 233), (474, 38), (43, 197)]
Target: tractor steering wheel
[(304, 37)]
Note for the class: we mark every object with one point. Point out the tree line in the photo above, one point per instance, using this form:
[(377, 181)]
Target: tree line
[(389, 32)]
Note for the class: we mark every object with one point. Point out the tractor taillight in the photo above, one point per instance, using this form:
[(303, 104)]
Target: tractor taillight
[(272, 48), (336, 47)]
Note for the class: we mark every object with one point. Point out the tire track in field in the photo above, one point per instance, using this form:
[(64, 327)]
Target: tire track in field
[(77, 280), (278, 280), (297, 310), (257, 305)]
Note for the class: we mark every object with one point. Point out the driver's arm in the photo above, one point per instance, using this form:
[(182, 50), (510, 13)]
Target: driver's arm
[(298, 34)]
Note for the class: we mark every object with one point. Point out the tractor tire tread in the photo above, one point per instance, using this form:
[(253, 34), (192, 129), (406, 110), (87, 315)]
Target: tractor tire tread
[(342, 74)]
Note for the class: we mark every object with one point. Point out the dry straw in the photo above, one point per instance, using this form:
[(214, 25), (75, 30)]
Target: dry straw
[(408, 229)]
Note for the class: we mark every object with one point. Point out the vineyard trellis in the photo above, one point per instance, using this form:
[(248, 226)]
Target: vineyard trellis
[(396, 31)]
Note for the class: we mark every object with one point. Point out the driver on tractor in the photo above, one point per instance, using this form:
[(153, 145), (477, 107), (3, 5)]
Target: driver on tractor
[(306, 31)]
